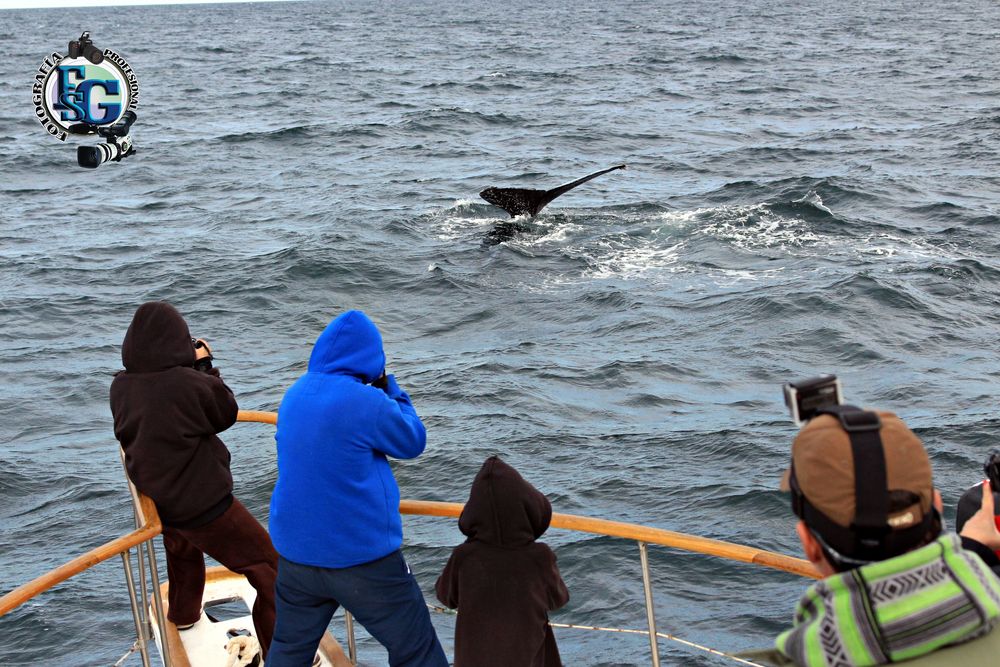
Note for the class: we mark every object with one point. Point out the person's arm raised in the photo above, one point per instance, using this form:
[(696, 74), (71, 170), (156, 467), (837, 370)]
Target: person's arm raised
[(981, 528), (400, 433)]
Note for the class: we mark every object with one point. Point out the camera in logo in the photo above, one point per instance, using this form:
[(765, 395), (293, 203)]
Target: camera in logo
[(80, 92)]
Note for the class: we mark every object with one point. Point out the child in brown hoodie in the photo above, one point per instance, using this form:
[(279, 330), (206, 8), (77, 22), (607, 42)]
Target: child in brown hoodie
[(501, 580)]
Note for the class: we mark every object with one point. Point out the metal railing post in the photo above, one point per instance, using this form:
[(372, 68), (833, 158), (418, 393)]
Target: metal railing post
[(140, 631), (161, 621), (144, 609), (352, 648), (144, 593), (650, 616)]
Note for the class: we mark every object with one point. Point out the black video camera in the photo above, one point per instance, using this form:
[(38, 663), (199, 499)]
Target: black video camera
[(85, 48), (806, 397)]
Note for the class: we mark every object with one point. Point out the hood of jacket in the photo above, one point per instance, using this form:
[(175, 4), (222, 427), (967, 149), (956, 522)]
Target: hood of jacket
[(350, 345), (895, 610), (157, 339), (503, 508)]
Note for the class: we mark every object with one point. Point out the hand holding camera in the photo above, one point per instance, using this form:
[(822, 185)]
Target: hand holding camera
[(982, 526), (381, 382), (202, 355)]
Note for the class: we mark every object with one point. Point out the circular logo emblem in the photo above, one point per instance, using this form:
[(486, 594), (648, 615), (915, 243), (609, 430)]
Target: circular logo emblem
[(75, 95)]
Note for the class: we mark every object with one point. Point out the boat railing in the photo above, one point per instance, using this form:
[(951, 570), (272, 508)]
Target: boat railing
[(148, 526)]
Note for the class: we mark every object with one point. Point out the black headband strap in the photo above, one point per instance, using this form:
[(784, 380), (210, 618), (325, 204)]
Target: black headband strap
[(871, 480)]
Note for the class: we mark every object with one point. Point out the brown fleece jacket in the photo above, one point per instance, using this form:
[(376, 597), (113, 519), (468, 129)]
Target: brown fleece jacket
[(166, 418), (501, 580)]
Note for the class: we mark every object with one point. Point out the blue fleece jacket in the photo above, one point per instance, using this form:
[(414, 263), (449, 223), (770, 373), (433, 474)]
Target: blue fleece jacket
[(336, 503)]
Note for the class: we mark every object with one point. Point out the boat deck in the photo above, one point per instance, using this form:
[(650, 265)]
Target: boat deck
[(206, 642)]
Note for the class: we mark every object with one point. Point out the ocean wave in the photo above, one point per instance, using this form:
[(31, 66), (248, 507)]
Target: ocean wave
[(965, 271), (455, 117), (727, 58), (783, 216), (277, 134), (855, 291), (984, 220)]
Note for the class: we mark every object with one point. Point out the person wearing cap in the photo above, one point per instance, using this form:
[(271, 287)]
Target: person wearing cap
[(896, 587)]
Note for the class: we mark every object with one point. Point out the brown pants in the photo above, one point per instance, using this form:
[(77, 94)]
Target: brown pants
[(237, 541)]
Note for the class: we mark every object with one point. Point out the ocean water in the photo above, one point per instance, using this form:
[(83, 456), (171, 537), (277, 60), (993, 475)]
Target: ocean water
[(812, 187)]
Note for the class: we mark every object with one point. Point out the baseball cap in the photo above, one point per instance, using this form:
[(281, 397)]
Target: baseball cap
[(822, 478)]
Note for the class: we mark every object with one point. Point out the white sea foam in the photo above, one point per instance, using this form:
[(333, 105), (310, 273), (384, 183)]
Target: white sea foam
[(457, 227), (463, 204), (683, 217), (629, 262), (756, 226), (558, 233), (889, 245), (813, 198), (458, 221)]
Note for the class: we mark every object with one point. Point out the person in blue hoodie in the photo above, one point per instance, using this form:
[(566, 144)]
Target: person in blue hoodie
[(335, 508)]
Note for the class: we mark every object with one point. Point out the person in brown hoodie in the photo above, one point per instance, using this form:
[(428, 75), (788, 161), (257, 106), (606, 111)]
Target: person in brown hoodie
[(166, 416), (501, 580)]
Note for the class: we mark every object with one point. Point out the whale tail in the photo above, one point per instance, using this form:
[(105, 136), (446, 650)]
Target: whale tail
[(518, 201)]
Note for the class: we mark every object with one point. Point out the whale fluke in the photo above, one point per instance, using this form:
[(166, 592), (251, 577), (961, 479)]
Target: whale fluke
[(518, 201)]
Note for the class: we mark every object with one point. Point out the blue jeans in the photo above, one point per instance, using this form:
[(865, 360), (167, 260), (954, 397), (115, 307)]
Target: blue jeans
[(382, 595)]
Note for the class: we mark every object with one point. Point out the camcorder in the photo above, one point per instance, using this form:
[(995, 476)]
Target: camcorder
[(805, 398), (202, 355), (118, 145)]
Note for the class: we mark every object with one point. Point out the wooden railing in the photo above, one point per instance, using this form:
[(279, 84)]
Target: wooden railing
[(629, 531), (640, 533), (150, 529), (258, 416)]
